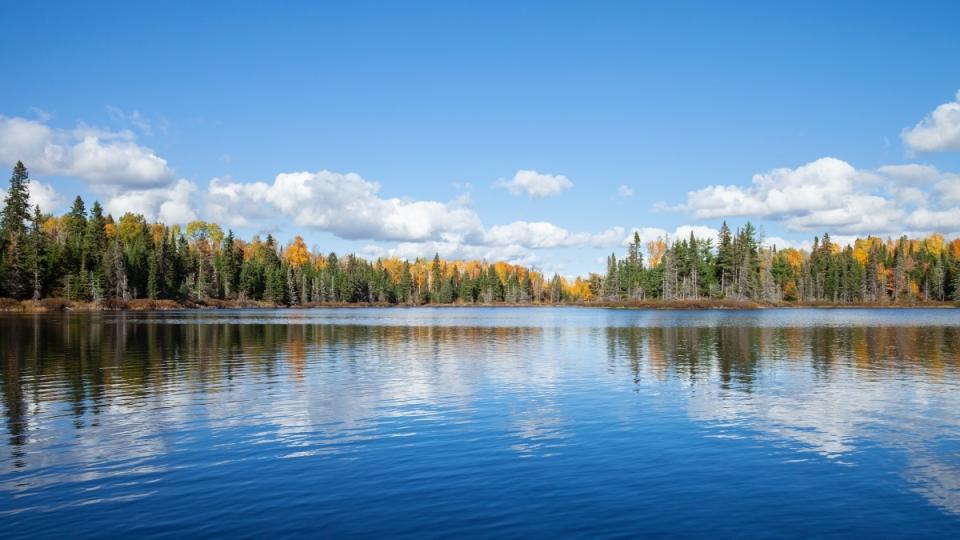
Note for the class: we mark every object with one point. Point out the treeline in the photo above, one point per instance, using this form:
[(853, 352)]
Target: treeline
[(86, 256), (738, 266)]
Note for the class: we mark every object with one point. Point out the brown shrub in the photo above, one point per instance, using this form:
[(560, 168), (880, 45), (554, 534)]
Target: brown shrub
[(145, 304), (9, 304), (113, 303), (53, 304)]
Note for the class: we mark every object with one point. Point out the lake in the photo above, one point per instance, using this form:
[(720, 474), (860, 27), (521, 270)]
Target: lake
[(481, 422)]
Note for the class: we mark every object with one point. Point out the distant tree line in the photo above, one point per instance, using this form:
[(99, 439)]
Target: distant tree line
[(738, 266), (85, 255)]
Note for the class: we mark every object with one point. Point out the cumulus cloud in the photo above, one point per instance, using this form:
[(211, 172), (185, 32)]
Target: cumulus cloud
[(515, 243), (536, 185), (830, 194), (938, 131), (168, 204), (351, 208), (935, 220), (784, 192), (778, 242), (911, 173), (345, 205), (512, 253), (625, 191), (237, 204), (949, 190), (542, 234), (43, 195), (96, 156)]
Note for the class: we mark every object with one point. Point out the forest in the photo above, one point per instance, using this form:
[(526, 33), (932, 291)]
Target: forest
[(85, 256)]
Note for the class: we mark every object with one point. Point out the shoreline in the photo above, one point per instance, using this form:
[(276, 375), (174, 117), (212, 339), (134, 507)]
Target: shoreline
[(56, 305)]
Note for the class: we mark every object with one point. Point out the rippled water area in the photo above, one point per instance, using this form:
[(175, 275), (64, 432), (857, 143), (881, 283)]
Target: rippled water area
[(481, 422)]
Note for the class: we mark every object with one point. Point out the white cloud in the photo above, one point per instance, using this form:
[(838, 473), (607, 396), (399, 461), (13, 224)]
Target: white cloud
[(542, 234), (935, 220), (46, 197), (96, 156), (169, 204), (819, 185), (625, 191), (911, 173), (513, 254), (40, 194), (515, 243), (351, 208), (346, 205), (778, 242), (949, 190), (536, 185), (830, 194), (237, 204), (939, 131), (860, 213)]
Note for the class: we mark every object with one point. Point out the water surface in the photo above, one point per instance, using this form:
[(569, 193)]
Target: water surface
[(459, 422)]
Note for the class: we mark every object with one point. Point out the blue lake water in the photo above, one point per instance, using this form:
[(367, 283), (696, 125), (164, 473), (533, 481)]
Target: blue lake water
[(481, 422)]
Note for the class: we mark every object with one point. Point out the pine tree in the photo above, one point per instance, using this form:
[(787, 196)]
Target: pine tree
[(405, 285), (436, 278), (36, 254), (231, 260), (16, 210), (153, 278), (94, 238), (76, 231), (725, 259), (13, 231), (116, 271)]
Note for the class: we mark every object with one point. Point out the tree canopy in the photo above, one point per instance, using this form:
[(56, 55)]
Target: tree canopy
[(88, 256)]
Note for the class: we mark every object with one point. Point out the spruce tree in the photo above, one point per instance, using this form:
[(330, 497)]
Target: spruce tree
[(16, 210), (95, 239), (36, 255), (436, 279), (76, 225), (13, 231), (725, 259)]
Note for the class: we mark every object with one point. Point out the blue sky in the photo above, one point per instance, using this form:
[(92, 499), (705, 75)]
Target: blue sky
[(437, 108)]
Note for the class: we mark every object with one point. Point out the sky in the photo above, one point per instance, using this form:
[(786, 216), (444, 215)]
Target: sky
[(541, 133)]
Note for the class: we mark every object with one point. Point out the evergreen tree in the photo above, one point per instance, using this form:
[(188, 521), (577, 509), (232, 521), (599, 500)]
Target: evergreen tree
[(436, 278), (725, 259), (13, 231), (36, 256), (405, 285), (95, 236), (231, 258), (76, 223)]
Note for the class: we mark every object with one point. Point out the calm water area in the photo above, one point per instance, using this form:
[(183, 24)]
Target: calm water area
[(481, 422)]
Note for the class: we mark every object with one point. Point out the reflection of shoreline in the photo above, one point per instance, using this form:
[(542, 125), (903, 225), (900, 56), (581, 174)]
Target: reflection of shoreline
[(98, 390), (129, 385), (825, 390), (146, 306)]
